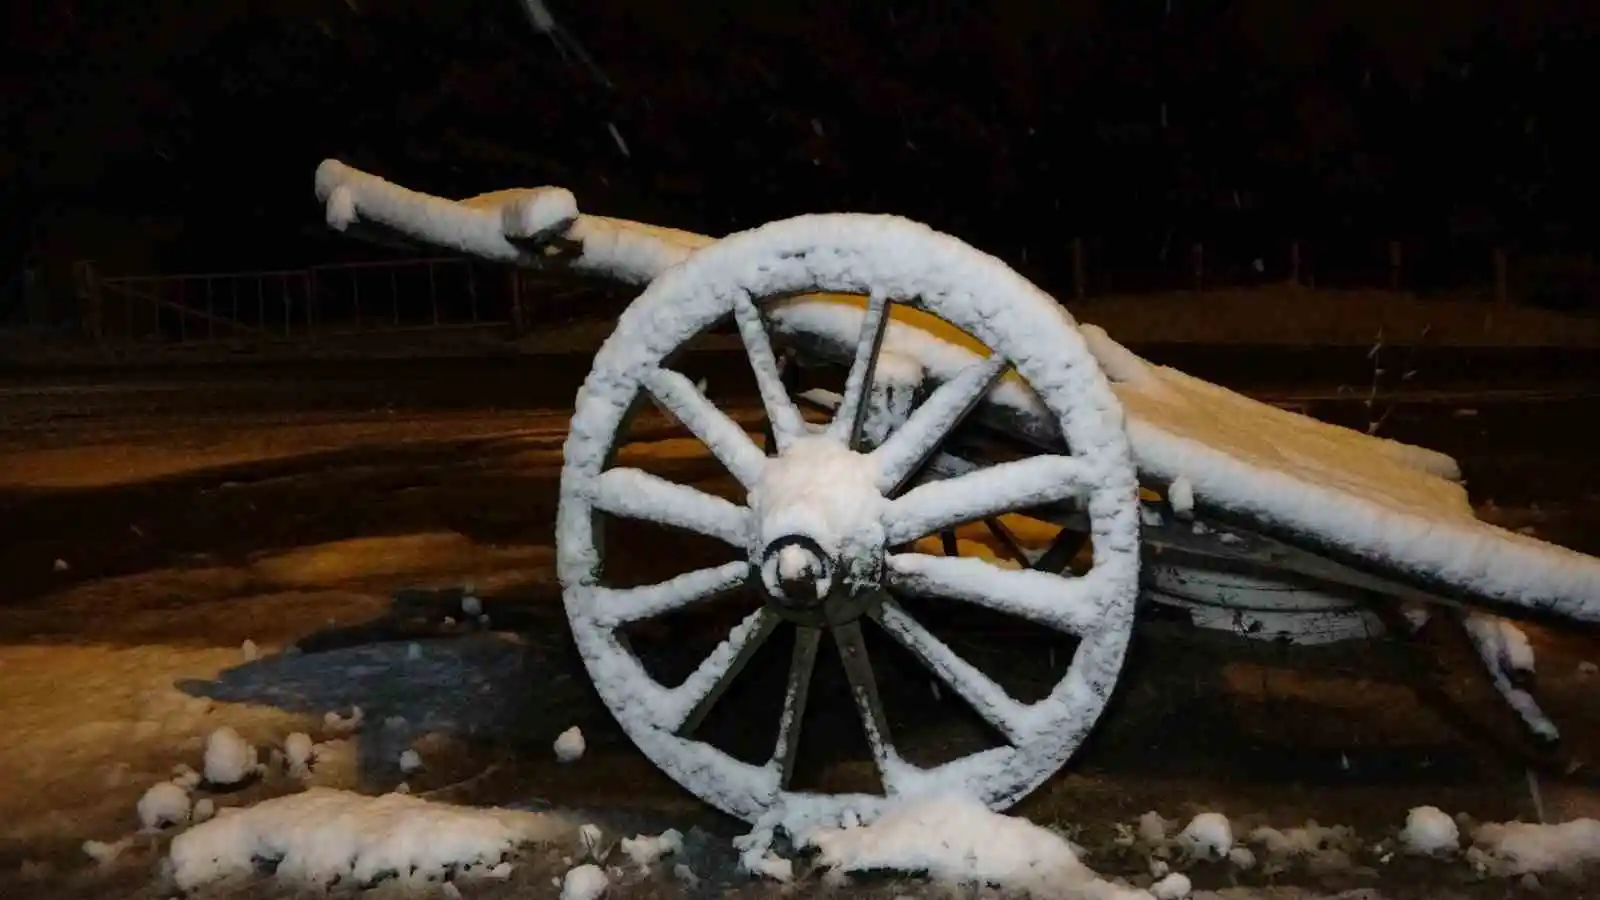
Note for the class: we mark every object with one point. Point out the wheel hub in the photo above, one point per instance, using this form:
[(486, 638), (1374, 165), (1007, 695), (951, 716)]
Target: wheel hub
[(803, 578), (819, 543)]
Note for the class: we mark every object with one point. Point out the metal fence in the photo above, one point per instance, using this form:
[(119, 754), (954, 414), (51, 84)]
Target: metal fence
[(298, 304), (444, 293)]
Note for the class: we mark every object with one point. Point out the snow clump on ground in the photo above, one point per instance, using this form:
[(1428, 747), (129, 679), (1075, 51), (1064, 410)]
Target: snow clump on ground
[(1174, 886), (344, 724), (956, 839), (410, 761), (1429, 832), (163, 804), (324, 835), (1520, 848), (298, 752), (229, 758), (1208, 835), (585, 882), (644, 850), (569, 745)]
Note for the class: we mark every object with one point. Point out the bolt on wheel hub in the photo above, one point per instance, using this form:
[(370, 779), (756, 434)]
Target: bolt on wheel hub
[(801, 577)]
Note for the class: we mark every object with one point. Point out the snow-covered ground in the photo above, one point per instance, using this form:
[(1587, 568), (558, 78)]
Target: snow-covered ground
[(131, 662), (320, 837)]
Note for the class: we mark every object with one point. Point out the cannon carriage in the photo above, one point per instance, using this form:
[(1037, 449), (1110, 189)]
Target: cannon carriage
[(963, 397)]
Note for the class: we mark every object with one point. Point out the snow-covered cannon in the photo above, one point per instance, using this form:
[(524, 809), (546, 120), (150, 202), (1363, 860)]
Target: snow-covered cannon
[(948, 354)]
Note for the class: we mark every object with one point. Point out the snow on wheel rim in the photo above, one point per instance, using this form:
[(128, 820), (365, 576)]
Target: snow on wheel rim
[(845, 548)]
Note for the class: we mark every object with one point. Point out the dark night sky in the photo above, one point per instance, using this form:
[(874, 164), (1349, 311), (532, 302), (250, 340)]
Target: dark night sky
[(1014, 124)]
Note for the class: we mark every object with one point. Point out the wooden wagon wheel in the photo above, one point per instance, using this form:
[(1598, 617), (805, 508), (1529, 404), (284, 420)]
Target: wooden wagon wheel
[(824, 523)]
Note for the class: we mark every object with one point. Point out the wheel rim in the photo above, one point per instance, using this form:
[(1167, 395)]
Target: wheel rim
[(844, 551)]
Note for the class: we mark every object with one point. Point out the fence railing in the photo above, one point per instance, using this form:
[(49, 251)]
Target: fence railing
[(445, 293), (299, 304), (1097, 268)]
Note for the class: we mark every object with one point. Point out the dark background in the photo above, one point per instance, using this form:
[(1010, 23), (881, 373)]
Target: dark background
[(169, 135)]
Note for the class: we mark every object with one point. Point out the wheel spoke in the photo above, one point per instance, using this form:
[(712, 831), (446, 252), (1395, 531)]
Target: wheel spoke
[(1063, 550), (801, 663), (864, 688), (1007, 487), (1071, 605), (925, 429), (987, 698), (614, 607), (1007, 540), (706, 685), (847, 422), (787, 423), (637, 494), (721, 435), (819, 399)]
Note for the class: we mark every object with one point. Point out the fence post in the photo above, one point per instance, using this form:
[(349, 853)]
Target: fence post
[(515, 276), (1502, 290), (1394, 265), (394, 298), (93, 309), (1197, 259), (1079, 290), (311, 301), (433, 295)]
